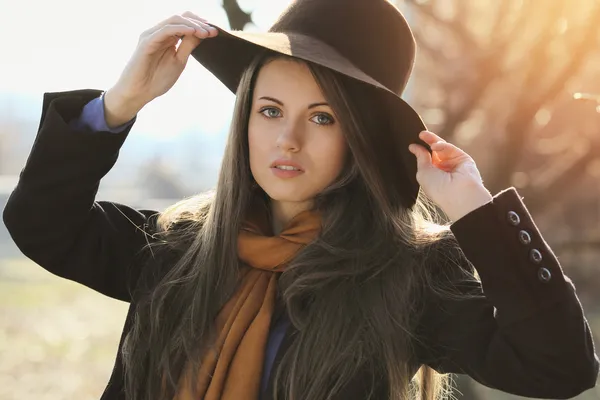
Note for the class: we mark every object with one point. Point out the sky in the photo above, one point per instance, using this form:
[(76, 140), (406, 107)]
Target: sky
[(72, 44)]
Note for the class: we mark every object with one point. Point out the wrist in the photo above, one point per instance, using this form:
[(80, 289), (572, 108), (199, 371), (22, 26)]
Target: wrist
[(473, 199), (119, 108)]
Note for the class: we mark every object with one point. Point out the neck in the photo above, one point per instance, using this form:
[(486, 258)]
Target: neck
[(283, 211)]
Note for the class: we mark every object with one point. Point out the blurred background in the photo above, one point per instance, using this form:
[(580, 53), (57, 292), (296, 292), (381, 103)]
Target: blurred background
[(516, 83)]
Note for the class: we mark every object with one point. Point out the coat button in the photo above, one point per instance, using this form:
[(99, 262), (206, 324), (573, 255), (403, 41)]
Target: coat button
[(544, 274), (513, 218), (535, 256), (524, 237)]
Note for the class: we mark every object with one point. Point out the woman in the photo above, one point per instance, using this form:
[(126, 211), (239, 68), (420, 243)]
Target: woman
[(314, 270)]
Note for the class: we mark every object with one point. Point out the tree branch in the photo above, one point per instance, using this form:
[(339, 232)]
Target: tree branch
[(489, 68), (521, 120), (527, 9), (454, 25), (556, 188), (237, 17)]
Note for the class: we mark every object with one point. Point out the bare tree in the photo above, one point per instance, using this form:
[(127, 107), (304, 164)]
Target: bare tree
[(502, 63)]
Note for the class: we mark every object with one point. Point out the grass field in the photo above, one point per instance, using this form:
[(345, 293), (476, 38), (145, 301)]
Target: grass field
[(58, 339)]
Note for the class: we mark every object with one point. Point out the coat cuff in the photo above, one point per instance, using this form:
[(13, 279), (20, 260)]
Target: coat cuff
[(519, 273), (57, 143)]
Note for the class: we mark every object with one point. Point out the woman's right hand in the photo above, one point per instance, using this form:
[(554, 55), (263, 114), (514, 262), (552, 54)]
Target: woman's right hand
[(155, 66)]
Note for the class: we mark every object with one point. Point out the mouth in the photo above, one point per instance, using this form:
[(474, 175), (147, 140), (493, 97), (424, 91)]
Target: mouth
[(287, 165), (286, 169)]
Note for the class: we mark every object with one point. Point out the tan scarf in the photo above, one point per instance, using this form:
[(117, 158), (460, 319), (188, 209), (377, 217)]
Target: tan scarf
[(244, 321)]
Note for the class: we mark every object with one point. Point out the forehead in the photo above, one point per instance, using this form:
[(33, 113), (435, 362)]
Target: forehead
[(283, 78)]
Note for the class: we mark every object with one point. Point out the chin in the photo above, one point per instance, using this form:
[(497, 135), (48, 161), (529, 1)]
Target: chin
[(288, 194)]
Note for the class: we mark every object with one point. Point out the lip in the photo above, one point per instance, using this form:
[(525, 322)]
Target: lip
[(283, 173), (283, 161)]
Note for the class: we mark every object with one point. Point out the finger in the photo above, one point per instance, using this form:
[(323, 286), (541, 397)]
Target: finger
[(165, 35), (191, 15), (211, 29), (170, 31), (202, 22), (449, 165), (447, 152), (435, 158), (447, 149), (447, 156), (424, 160), (174, 20), (430, 137), (201, 25)]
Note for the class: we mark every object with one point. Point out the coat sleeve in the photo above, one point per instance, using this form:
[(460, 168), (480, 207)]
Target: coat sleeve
[(521, 329), (52, 215)]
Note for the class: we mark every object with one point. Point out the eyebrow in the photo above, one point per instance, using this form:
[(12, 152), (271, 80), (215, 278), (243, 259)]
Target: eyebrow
[(274, 100)]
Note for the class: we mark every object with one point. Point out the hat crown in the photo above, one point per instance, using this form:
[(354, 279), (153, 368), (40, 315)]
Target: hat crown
[(372, 34)]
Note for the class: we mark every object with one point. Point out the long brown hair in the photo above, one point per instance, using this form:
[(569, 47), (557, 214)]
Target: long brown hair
[(354, 295)]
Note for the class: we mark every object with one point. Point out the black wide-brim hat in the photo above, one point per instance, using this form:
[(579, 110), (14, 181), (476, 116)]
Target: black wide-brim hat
[(368, 40)]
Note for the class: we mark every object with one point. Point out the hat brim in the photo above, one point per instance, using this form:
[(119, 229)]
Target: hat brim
[(229, 53)]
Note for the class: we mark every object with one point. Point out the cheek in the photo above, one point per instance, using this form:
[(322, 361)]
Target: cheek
[(330, 157), (256, 143)]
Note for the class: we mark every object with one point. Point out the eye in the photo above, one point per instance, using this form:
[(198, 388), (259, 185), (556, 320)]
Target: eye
[(323, 119), (270, 112)]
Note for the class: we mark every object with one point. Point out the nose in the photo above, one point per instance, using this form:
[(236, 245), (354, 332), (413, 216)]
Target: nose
[(289, 138)]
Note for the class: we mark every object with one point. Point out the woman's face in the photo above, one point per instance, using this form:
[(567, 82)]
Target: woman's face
[(296, 144)]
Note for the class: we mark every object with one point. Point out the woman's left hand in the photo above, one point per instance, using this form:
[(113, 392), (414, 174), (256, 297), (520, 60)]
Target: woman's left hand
[(449, 176)]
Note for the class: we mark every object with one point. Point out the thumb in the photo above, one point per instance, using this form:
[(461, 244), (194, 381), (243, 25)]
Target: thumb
[(187, 45), (423, 157)]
